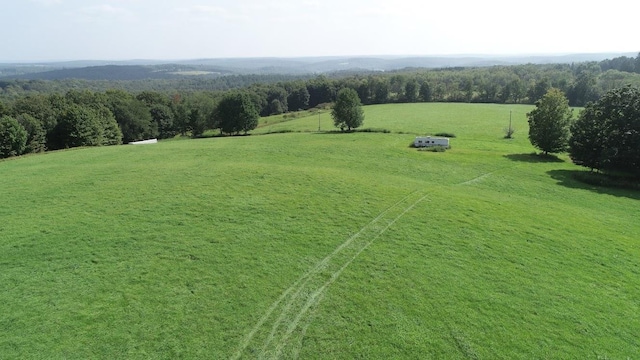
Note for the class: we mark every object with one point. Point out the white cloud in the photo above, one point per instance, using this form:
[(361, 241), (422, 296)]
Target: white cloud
[(210, 12), (215, 28), (105, 12), (47, 2)]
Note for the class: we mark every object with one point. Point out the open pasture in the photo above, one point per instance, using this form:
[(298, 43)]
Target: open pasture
[(319, 245)]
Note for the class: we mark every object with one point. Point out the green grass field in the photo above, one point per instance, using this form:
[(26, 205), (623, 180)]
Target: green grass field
[(319, 245)]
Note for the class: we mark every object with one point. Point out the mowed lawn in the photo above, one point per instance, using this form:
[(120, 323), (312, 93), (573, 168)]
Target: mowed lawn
[(315, 245)]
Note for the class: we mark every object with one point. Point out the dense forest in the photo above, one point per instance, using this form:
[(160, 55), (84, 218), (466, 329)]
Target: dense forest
[(581, 82), (66, 113)]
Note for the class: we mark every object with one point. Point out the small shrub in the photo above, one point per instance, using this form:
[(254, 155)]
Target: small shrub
[(508, 132), (446, 134)]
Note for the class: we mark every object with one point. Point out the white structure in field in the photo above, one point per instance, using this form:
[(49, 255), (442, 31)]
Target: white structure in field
[(144, 142), (426, 141)]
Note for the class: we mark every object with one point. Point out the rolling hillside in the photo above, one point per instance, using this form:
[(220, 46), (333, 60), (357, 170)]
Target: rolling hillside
[(157, 69), (319, 245)]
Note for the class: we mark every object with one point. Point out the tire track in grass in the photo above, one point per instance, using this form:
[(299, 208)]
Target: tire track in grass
[(476, 179), (484, 176), (291, 311), (300, 282), (317, 296)]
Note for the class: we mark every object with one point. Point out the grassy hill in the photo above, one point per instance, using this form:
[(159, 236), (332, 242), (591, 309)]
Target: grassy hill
[(319, 245)]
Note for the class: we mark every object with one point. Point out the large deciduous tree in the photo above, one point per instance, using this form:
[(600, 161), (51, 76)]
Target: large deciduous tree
[(549, 122), (539, 89), (277, 101), (607, 134), (321, 90), (13, 137), (411, 91), (163, 116), (45, 109), (132, 115), (588, 139), (347, 111), (380, 90), (96, 104), (298, 98), (161, 113), (583, 90), (198, 109), (425, 93), (78, 126), (235, 113)]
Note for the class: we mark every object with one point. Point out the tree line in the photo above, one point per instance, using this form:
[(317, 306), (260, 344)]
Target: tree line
[(38, 123), (517, 84), (52, 119)]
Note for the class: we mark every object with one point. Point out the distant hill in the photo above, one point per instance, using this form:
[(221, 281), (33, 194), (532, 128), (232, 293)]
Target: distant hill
[(121, 72), (158, 69)]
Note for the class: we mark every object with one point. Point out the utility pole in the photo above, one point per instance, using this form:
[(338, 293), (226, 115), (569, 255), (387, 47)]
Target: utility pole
[(318, 121), (510, 120), (508, 132)]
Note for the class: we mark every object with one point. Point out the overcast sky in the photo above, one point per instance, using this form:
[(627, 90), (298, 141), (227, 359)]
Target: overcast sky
[(42, 30)]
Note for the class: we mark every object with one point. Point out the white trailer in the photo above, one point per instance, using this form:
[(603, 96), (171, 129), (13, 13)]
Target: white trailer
[(427, 141), (144, 142)]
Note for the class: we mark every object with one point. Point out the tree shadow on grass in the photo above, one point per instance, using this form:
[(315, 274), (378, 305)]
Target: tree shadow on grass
[(534, 158), (365, 130), (574, 179), (217, 135)]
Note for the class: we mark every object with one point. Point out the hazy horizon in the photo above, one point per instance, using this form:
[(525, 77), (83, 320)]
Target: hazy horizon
[(497, 57), (128, 30)]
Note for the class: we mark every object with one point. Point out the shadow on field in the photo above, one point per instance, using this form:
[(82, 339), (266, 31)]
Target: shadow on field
[(214, 135), (534, 158), (365, 130), (570, 179)]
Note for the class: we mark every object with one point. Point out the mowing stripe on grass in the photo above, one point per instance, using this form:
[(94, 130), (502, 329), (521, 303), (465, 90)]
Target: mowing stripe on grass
[(307, 291)]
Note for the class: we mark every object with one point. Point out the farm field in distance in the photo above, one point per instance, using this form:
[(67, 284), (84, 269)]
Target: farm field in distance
[(319, 245)]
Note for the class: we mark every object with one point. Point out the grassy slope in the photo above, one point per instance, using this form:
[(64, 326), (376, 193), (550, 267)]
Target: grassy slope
[(181, 249)]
